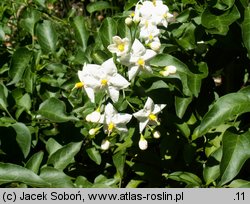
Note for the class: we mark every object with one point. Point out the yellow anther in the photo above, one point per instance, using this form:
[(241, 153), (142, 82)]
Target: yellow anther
[(111, 127), (79, 85), (104, 82), (141, 62), (154, 2), (152, 117), (150, 37), (132, 14), (121, 47)]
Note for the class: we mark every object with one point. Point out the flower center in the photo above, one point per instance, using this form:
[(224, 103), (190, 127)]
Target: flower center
[(152, 117), (111, 127), (104, 82), (141, 62), (154, 2), (150, 37), (79, 85), (121, 47)]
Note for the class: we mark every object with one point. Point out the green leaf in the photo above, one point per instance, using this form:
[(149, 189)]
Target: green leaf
[(56, 178), (223, 109), (181, 105), (245, 28), (94, 154), (212, 169), (35, 161), (119, 161), (194, 81), (239, 183), (99, 56), (235, 151), (107, 30), (189, 178), (52, 146), (55, 110), (219, 24), (47, 36), (134, 183), (160, 84), (82, 182), (3, 97), (98, 6), (65, 155), (19, 63), (29, 19), (224, 4), (81, 32), (14, 173), (23, 137)]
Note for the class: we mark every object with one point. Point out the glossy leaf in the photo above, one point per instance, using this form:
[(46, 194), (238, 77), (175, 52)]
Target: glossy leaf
[(35, 161), (23, 137), (81, 32), (19, 63), (55, 110), (98, 6), (224, 5), (65, 155), (239, 183), (107, 30), (82, 182), (219, 24), (56, 178), (223, 109), (3, 97), (52, 146), (94, 154), (14, 173), (119, 161), (47, 36), (235, 151), (245, 28), (186, 177)]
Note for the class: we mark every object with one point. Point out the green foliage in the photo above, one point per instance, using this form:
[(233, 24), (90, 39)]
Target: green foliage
[(199, 139)]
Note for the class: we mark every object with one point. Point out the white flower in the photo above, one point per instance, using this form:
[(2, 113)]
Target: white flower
[(94, 117), (113, 120), (107, 78), (149, 34), (120, 46), (86, 82), (105, 144), (93, 131), (143, 143), (156, 134), (148, 115), (139, 59), (168, 70), (155, 45)]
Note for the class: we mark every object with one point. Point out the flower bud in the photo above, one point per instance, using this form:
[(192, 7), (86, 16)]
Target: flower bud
[(93, 131), (143, 143), (105, 144), (156, 134), (128, 21), (155, 45)]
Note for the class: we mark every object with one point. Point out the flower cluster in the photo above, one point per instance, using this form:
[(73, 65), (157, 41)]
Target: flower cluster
[(134, 54)]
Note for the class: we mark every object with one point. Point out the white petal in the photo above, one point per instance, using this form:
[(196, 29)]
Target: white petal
[(158, 108), (132, 72), (109, 67), (149, 54), (90, 94), (123, 118), (110, 110), (149, 105), (119, 82), (138, 48), (113, 48), (141, 115), (113, 94), (143, 124), (122, 128), (117, 40), (148, 68)]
